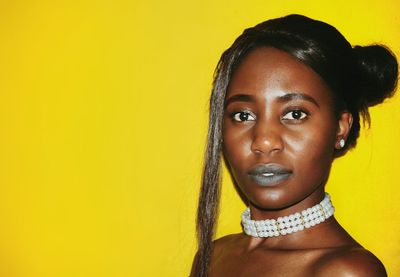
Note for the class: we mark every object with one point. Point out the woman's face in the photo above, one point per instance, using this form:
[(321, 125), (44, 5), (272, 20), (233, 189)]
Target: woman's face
[(280, 129)]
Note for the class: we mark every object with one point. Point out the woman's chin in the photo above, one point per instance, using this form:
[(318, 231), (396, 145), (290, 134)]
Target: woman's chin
[(272, 201)]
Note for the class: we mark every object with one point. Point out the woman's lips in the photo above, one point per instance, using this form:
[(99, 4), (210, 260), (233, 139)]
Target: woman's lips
[(269, 174)]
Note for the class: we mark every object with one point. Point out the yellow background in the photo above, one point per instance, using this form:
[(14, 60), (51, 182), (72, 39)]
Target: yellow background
[(103, 115)]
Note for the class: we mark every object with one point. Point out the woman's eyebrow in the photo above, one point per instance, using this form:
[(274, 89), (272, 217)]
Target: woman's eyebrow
[(239, 98), (295, 95)]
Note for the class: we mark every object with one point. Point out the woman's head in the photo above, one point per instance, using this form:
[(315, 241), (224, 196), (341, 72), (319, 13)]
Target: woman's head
[(358, 77), (355, 78), (280, 129)]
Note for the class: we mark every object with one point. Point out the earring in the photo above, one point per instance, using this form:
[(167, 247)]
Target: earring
[(342, 142)]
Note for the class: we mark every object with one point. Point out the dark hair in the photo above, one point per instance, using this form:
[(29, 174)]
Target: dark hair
[(359, 77)]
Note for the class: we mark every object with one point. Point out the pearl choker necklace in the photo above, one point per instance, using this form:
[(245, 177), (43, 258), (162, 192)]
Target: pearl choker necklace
[(288, 224)]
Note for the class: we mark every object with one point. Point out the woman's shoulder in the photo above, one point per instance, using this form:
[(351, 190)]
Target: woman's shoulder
[(228, 239), (226, 242), (348, 260), (352, 262)]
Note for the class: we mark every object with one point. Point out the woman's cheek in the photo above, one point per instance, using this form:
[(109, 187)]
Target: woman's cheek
[(237, 149), (311, 149)]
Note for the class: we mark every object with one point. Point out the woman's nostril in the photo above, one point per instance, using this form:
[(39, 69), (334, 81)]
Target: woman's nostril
[(266, 141)]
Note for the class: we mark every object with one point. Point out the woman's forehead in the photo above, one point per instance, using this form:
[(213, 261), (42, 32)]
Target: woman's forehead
[(270, 72)]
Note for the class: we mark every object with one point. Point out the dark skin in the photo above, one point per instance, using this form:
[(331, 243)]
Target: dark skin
[(279, 111)]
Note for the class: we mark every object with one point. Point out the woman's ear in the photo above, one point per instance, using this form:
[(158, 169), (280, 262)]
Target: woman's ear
[(344, 126)]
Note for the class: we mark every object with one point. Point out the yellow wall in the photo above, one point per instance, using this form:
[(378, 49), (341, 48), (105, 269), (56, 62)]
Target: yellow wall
[(102, 121)]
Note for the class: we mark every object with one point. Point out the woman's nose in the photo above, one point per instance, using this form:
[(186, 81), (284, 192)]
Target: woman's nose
[(267, 138)]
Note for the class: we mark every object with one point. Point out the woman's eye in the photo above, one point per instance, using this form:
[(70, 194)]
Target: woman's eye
[(243, 116), (295, 115)]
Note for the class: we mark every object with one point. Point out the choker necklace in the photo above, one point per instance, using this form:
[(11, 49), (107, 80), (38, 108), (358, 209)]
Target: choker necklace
[(288, 224)]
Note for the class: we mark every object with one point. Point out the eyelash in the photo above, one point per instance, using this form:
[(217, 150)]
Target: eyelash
[(304, 115), (236, 116)]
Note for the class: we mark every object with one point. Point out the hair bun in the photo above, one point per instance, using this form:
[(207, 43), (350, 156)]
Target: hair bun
[(378, 73)]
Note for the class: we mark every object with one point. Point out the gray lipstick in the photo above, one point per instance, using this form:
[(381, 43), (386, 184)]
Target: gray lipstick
[(269, 174)]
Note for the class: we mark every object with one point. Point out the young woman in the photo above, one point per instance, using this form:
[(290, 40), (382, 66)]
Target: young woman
[(286, 101)]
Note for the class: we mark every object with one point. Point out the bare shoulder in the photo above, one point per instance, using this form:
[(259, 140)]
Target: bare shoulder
[(224, 242), (227, 239), (350, 262), (220, 244)]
